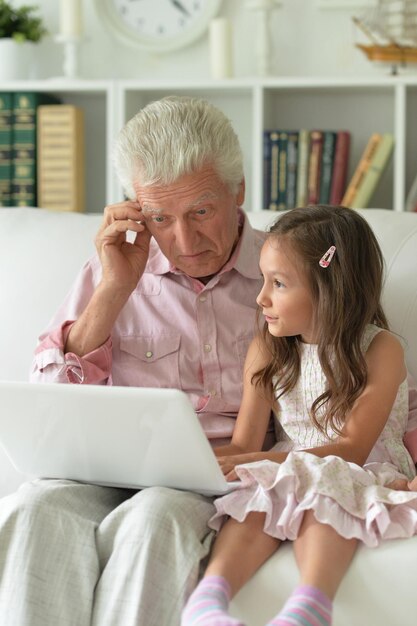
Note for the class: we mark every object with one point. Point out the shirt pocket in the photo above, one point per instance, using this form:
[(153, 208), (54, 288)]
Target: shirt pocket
[(153, 361), (242, 347)]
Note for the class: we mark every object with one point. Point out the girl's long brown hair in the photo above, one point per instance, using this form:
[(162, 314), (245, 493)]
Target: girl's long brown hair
[(347, 298)]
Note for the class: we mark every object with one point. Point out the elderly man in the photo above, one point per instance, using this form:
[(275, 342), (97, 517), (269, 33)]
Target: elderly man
[(172, 307)]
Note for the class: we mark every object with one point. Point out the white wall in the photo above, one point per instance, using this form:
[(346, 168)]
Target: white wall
[(309, 41)]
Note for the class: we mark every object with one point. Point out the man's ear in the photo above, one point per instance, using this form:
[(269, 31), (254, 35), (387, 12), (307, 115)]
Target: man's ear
[(240, 196)]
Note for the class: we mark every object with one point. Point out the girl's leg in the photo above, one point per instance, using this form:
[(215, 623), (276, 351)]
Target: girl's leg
[(323, 558), (239, 550)]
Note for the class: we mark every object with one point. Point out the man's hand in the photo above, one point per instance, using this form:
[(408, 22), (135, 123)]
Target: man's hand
[(123, 263)]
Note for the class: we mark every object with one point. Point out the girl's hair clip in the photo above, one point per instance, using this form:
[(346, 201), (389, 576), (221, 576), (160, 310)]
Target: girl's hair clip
[(327, 257)]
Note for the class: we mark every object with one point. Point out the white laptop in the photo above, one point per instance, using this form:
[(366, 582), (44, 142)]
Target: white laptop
[(119, 436)]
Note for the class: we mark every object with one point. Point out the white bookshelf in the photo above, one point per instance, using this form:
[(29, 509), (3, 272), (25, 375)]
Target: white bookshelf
[(360, 105)]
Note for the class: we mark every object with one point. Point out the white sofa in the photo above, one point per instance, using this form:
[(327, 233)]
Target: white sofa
[(40, 254)]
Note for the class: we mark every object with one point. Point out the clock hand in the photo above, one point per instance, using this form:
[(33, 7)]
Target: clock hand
[(179, 5)]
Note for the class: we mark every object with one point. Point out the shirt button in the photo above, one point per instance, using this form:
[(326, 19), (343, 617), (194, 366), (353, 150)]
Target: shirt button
[(212, 393), (207, 347), (203, 298), (149, 354)]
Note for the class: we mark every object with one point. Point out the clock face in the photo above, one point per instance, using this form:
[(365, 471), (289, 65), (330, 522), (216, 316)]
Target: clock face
[(157, 25)]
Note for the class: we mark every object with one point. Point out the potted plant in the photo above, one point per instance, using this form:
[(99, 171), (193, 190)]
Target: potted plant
[(20, 29)]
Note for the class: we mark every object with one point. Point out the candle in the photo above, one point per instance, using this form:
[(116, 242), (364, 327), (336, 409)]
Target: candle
[(70, 18), (221, 54)]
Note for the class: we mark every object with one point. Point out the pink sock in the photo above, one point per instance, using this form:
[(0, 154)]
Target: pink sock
[(307, 606), (208, 604)]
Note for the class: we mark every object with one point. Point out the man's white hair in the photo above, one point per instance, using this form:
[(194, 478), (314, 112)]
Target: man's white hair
[(174, 136)]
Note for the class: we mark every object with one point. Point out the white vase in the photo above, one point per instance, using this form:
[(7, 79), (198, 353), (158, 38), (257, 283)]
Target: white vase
[(16, 59)]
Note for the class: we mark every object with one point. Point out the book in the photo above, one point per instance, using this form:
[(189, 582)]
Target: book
[(282, 169), (273, 171), (340, 167), (302, 166), (6, 137), (326, 167), (292, 160), (266, 173), (314, 166), (411, 201), (374, 172), (60, 157), (361, 169), (24, 146)]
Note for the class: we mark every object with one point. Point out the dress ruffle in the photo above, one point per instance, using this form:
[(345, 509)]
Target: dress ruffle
[(352, 499)]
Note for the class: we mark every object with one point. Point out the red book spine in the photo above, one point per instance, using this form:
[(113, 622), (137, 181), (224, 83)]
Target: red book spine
[(340, 167)]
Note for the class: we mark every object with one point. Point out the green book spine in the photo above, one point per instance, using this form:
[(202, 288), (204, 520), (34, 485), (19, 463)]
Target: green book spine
[(24, 146), (274, 167), (302, 166), (327, 157), (6, 132), (282, 170), (292, 158), (266, 169), (373, 175)]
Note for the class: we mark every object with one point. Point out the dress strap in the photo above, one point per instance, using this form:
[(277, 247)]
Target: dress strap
[(370, 333)]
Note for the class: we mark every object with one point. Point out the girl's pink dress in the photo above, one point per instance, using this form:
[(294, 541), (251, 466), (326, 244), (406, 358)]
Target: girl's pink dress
[(352, 499)]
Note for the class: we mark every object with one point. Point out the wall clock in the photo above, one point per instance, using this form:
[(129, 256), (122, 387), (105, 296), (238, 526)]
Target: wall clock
[(157, 25)]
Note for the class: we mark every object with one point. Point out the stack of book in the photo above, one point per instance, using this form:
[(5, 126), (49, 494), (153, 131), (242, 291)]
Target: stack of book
[(40, 151), (60, 149), (18, 147), (5, 149), (304, 167)]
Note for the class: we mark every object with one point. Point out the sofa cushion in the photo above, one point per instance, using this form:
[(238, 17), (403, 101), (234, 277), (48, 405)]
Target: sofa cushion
[(40, 254)]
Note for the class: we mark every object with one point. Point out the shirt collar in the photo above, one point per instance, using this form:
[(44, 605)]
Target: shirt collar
[(245, 257)]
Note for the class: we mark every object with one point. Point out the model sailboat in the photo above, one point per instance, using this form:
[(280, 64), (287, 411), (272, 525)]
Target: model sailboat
[(391, 29)]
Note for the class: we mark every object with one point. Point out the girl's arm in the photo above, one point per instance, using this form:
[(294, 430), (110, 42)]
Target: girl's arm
[(368, 416), (255, 409)]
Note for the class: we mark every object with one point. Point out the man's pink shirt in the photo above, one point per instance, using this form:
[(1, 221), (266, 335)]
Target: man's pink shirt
[(174, 331)]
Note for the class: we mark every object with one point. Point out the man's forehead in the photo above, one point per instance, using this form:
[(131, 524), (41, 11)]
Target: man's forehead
[(149, 206)]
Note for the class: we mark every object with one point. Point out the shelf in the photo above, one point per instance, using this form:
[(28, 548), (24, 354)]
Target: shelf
[(96, 100), (360, 105)]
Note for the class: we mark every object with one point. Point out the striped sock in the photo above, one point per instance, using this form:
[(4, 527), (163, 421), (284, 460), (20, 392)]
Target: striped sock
[(307, 606), (208, 604)]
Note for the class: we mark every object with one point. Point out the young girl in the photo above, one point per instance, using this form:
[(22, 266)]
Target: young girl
[(336, 379)]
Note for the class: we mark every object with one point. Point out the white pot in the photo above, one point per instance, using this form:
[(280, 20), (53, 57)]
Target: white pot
[(16, 59)]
